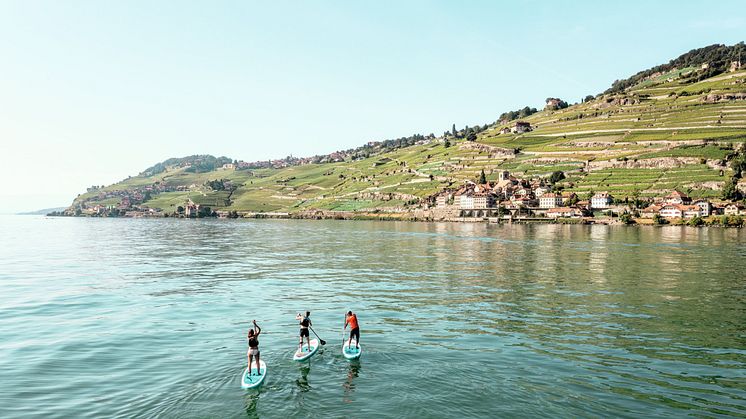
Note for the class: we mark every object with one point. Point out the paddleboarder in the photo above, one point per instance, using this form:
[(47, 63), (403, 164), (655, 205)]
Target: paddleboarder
[(305, 323), (253, 337), (351, 319)]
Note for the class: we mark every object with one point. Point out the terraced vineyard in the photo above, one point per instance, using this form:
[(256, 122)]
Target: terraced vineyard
[(660, 135)]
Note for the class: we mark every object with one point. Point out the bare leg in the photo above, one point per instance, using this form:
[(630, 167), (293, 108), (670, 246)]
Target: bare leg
[(308, 341), (250, 358), (258, 371)]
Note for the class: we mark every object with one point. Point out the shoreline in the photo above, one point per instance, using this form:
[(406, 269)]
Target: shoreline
[(712, 221)]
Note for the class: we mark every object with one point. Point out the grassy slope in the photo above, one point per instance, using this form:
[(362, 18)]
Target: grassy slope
[(659, 126)]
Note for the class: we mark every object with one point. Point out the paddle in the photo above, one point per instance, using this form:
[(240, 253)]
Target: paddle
[(321, 341), (343, 331)]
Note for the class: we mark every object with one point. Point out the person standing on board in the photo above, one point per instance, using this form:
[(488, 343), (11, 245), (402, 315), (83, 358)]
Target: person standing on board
[(253, 337), (351, 319), (305, 323)]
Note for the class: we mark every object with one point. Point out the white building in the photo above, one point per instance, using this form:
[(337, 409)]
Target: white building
[(734, 209), (564, 212), (550, 200), (521, 127), (601, 200), (705, 207), (670, 211), (477, 200), (677, 198)]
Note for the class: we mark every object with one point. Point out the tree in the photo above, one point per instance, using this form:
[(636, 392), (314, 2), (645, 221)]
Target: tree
[(204, 212), (180, 209), (446, 143), (588, 98), (731, 191), (626, 218), (471, 136), (657, 219), (482, 178), (696, 221), (556, 176), (453, 130)]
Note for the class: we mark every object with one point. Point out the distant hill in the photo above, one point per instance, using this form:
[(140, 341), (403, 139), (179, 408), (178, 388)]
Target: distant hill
[(675, 126), (713, 60), (44, 211)]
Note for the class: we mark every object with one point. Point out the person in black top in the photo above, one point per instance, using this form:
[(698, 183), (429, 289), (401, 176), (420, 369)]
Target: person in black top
[(305, 322), (253, 337)]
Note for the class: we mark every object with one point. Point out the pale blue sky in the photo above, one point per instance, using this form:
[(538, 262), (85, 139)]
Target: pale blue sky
[(93, 91)]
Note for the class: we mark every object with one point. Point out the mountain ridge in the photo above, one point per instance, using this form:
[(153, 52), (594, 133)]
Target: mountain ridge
[(674, 128)]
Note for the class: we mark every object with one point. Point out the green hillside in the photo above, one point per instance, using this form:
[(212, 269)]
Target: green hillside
[(672, 129)]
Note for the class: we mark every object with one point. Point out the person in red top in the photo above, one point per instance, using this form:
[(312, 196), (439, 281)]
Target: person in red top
[(351, 319)]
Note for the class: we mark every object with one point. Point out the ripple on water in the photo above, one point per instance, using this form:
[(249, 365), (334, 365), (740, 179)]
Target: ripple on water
[(148, 317)]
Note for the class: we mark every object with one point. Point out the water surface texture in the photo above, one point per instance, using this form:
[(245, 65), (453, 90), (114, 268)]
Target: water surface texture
[(115, 317)]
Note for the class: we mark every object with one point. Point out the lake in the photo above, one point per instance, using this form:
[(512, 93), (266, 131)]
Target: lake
[(124, 318)]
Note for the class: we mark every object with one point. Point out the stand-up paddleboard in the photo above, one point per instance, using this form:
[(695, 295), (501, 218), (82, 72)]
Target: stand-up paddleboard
[(350, 351), (254, 380), (304, 353)]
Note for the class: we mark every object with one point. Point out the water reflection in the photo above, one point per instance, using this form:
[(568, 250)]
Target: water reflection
[(302, 382), (250, 404), (353, 370)]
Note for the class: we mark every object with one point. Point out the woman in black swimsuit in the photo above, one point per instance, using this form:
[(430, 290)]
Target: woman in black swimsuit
[(254, 346), (305, 322)]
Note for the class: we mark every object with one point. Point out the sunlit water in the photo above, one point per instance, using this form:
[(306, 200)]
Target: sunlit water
[(112, 317)]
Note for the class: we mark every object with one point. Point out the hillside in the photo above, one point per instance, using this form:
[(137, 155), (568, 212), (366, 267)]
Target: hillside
[(671, 129)]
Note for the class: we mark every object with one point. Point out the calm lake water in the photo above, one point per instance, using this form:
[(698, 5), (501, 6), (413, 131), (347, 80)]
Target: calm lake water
[(114, 317)]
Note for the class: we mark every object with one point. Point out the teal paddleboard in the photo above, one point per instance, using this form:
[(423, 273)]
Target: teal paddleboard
[(251, 379), (303, 353), (350, 351)]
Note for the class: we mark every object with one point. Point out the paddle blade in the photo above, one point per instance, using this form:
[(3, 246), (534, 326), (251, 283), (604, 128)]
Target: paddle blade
[(322, 342)]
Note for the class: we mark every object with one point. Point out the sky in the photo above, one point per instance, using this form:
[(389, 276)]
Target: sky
[(94, 91)]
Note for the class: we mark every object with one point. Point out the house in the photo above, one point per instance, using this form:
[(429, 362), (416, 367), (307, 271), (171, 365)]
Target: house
[(540, 191), (567, 197), (564, 212), (601, 200), (441, 201), (552, 103), (229, 166), (516, 203), (677, 198), (680, 211), (735, 65), (520, 127), (550, 200), (690, 211), (484, 200), (505, 130), (671, 211), (584, 205), (191, 209), (705, 207), (521, 192), (734, 209), (476, 200), (650, 211)]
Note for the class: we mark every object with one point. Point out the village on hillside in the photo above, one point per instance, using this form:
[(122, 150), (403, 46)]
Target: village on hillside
[(508, 199), (516, 199)]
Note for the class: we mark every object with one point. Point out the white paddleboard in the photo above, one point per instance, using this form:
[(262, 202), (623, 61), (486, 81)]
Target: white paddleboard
[(304, 353), (254, 380), (350, 351)]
